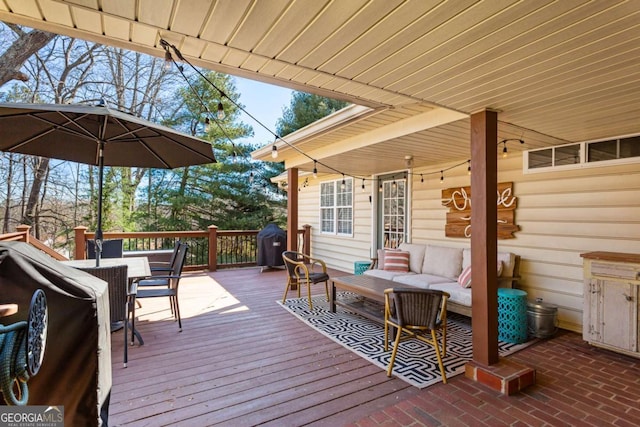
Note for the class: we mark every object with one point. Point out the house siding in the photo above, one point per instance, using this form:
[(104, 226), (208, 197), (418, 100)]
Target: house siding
[(561, 214)]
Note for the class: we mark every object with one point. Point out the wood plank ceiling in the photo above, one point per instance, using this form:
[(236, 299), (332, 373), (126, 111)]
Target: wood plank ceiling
[(557, 71)]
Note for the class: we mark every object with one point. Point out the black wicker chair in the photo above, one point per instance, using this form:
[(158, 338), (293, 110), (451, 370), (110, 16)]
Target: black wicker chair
[(419, 313), (118, 283), (301, 271)]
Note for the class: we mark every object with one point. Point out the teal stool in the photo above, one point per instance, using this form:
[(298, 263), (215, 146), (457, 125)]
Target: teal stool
[(360, 267), (512, 315)]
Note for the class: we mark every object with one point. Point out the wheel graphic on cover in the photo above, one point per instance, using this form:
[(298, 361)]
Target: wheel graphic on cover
[(36, 331)]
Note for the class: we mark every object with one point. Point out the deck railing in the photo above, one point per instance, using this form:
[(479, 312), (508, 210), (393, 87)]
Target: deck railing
[(210, 249), (22, 235)]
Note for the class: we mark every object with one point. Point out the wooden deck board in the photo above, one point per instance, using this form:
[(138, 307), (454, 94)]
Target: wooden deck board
[(243, 360)]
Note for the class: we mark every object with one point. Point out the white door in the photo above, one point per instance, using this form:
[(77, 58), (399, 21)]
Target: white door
[(392, 212)]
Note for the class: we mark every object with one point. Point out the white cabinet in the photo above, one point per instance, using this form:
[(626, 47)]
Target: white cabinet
[(611, 307)]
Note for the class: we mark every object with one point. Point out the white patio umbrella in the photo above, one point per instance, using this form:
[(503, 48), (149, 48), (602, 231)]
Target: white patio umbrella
[(97, 135)]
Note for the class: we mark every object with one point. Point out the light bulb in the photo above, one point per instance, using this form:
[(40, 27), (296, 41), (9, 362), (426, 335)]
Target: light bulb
[(168, 60), (207, 125), (469, 168), (274, 151), (315, 170), (343, 184), (221, 115), (504, 150), (380, 188), (251, 177), (441, 177), (363, 188)]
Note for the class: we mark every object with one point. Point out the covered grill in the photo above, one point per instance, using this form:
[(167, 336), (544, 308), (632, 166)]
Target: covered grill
[(272, 241), (76, 369)]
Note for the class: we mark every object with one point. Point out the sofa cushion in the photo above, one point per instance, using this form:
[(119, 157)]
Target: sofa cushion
[(389, 275), (416, 255), (442, 261), (508, 261), (456, 293), (396, 261), (423, 281)]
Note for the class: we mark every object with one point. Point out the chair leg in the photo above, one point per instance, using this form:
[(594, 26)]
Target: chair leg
[(394, 352), (437, 347), (386, 336), (286, 291), (309, 294), (444, 340), (175, 301), (126, 333), (326, 289)]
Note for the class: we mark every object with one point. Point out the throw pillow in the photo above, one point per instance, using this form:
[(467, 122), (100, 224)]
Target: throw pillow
[(464, 279), (396, 261)]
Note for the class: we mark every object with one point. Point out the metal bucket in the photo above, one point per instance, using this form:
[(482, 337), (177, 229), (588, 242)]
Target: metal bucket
[(542, 319)]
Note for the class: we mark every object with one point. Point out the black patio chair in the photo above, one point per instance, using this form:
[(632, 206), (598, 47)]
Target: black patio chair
[(112, 248), (420, 313), (165, 268), (159, 286), (301, 271)]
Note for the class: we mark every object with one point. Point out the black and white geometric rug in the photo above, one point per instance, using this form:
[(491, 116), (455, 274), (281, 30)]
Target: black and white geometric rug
[(416, 361)]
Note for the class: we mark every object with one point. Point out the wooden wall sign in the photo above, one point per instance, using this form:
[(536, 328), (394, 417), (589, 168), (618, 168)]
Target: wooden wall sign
[(458, 200)]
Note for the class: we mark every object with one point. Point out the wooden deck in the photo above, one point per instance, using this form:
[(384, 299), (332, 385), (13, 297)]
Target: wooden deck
[(242, 360)]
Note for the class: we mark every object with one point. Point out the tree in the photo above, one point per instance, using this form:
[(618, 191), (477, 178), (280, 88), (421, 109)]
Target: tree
[(305, 109), (21, 49), (229, 193)]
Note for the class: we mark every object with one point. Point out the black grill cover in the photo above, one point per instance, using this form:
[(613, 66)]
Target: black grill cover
[(272, 241), (76, 369)]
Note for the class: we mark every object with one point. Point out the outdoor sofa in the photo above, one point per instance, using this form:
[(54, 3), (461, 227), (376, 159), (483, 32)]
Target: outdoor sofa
[(443, 268)]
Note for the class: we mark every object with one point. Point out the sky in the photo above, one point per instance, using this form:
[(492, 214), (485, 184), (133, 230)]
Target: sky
[(264, 102)]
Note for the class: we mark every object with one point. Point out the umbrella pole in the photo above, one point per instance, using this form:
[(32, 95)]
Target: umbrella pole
[(98, 237)]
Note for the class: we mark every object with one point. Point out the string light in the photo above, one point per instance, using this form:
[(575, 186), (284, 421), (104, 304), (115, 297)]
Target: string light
[(343, 185), (274, 149), (363, 187), (207, 124), (469, 167), (505, 152), (168, 60), (251, 177)]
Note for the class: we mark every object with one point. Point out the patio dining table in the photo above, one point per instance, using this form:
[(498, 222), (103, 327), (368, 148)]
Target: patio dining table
[(138, 267)]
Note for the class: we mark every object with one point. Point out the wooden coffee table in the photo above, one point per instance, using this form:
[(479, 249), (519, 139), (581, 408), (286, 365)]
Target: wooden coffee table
[(370, 290)]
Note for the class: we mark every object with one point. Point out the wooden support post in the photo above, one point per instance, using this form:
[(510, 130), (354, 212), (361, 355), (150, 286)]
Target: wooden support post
[(24, 229), (80, 240), (307, 239), (484, 245), (213, 248), (292, 210)]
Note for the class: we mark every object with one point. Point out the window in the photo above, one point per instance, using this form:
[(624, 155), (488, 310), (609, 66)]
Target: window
[(583, 154), (336, 207)]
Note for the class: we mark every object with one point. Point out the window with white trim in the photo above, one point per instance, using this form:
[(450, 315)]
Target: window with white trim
[(583, 154), (336, 207)]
